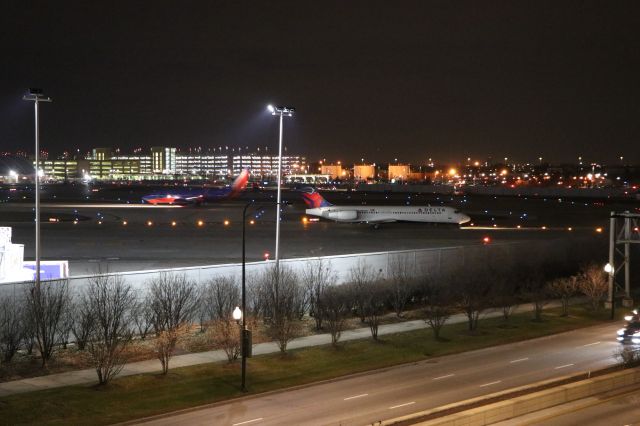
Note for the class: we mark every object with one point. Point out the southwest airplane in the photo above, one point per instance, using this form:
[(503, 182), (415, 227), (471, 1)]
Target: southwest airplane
[(380, 214), (199, 195)]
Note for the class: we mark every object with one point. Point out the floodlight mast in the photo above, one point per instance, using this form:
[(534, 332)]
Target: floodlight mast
[(36, 96), (282, 112)]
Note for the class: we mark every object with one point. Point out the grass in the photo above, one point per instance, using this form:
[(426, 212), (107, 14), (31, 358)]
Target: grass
[(145, 395)]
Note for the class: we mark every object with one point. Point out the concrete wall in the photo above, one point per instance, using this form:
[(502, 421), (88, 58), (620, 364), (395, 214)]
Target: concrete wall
[(434, 261), (525, 404)]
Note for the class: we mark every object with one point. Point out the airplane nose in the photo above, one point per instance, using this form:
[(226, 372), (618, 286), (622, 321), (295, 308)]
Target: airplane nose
[(465, 219)]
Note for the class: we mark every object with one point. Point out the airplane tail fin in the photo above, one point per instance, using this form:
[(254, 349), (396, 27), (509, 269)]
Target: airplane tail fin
[(240, 183), (313, 199)]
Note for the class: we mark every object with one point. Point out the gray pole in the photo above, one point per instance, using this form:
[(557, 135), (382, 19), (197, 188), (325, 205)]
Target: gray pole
[(612, 244), (627, 257), (277, 254), (36, 96), (37, 177)]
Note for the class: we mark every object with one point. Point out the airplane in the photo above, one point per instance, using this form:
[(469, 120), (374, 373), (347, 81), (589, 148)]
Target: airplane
[(199, 195), (376, 215)]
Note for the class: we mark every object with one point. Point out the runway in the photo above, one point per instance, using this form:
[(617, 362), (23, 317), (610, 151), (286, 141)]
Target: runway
[(393, 392), (134, 236)]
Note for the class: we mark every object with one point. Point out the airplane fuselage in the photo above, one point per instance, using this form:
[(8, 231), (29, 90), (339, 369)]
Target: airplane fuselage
[(385, 214)]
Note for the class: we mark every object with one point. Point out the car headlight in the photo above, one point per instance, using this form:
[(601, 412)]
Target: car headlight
[(619, 339), (635, 340), (620, 332), (628, 317)]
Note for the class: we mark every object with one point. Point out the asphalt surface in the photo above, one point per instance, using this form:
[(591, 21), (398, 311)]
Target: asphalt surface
[(393, 392), (160, 237)]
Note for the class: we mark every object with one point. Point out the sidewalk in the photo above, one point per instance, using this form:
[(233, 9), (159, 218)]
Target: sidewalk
[(88, 376)]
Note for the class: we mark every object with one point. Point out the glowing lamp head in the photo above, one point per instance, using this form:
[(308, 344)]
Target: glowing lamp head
[(599, 230), (271, 109), (252, 222), (237, 313), (149, 223), (173, 223), (200, 223), (608, 268), (124, 223), (226, 222), (266, 255)]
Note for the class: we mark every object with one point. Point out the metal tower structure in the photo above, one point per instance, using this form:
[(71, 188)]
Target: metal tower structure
[(623, 231)]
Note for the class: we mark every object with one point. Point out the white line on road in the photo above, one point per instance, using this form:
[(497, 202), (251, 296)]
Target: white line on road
[(491, 383), (518, 360), (402, 405), (563, 366), (591, 344), (356, 396), (443, 377), (248, 421)]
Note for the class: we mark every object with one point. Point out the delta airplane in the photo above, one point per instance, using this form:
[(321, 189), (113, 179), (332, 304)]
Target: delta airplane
[(199, 195), (376, 215)]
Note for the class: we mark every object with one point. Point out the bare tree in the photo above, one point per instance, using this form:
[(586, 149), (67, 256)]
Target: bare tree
[(82, 322), (471, 290), (225, 334), (316, 276), (173, 300), (438, 303), (12, 327), (110, 300), (593, 284), (400, 282), (281, 290), (374, 307), (361, 278), (564, 288), (335, 309), (142, 316), (535, 290), (221, 296), (46, 308)]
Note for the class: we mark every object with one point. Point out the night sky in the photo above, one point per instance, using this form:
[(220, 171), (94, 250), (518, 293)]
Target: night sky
[(373, 79)]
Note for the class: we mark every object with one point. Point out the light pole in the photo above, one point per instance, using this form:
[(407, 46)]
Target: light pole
[(611, 272), (239, 313), (36, 96), (282, 112)]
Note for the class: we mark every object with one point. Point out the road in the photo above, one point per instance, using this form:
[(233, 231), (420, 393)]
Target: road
[(398, 391)]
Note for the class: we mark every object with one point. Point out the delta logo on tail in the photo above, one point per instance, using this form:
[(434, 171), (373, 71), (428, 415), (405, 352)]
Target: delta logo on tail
[(313, 199), (199, 195)]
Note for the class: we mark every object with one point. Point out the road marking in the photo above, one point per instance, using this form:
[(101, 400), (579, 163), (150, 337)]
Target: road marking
[(563, 366), (591, 344), (356, 396), (402, 405), (248, 421), (518, 360), (491, 383), (443, 377)]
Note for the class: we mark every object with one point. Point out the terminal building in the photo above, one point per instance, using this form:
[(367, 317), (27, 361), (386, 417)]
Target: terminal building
[(168, 163)]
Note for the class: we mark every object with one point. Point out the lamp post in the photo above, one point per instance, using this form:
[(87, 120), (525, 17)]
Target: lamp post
[(238, 313), (282, 112), (611, 272), (36, 96)]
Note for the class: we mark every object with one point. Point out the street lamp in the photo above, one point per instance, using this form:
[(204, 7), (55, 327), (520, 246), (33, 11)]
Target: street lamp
[(611, 271), (36, 96), (245, 337), (282, 112)]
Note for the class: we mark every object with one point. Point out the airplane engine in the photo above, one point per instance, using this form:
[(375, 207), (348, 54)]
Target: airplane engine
[(343, 215)]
